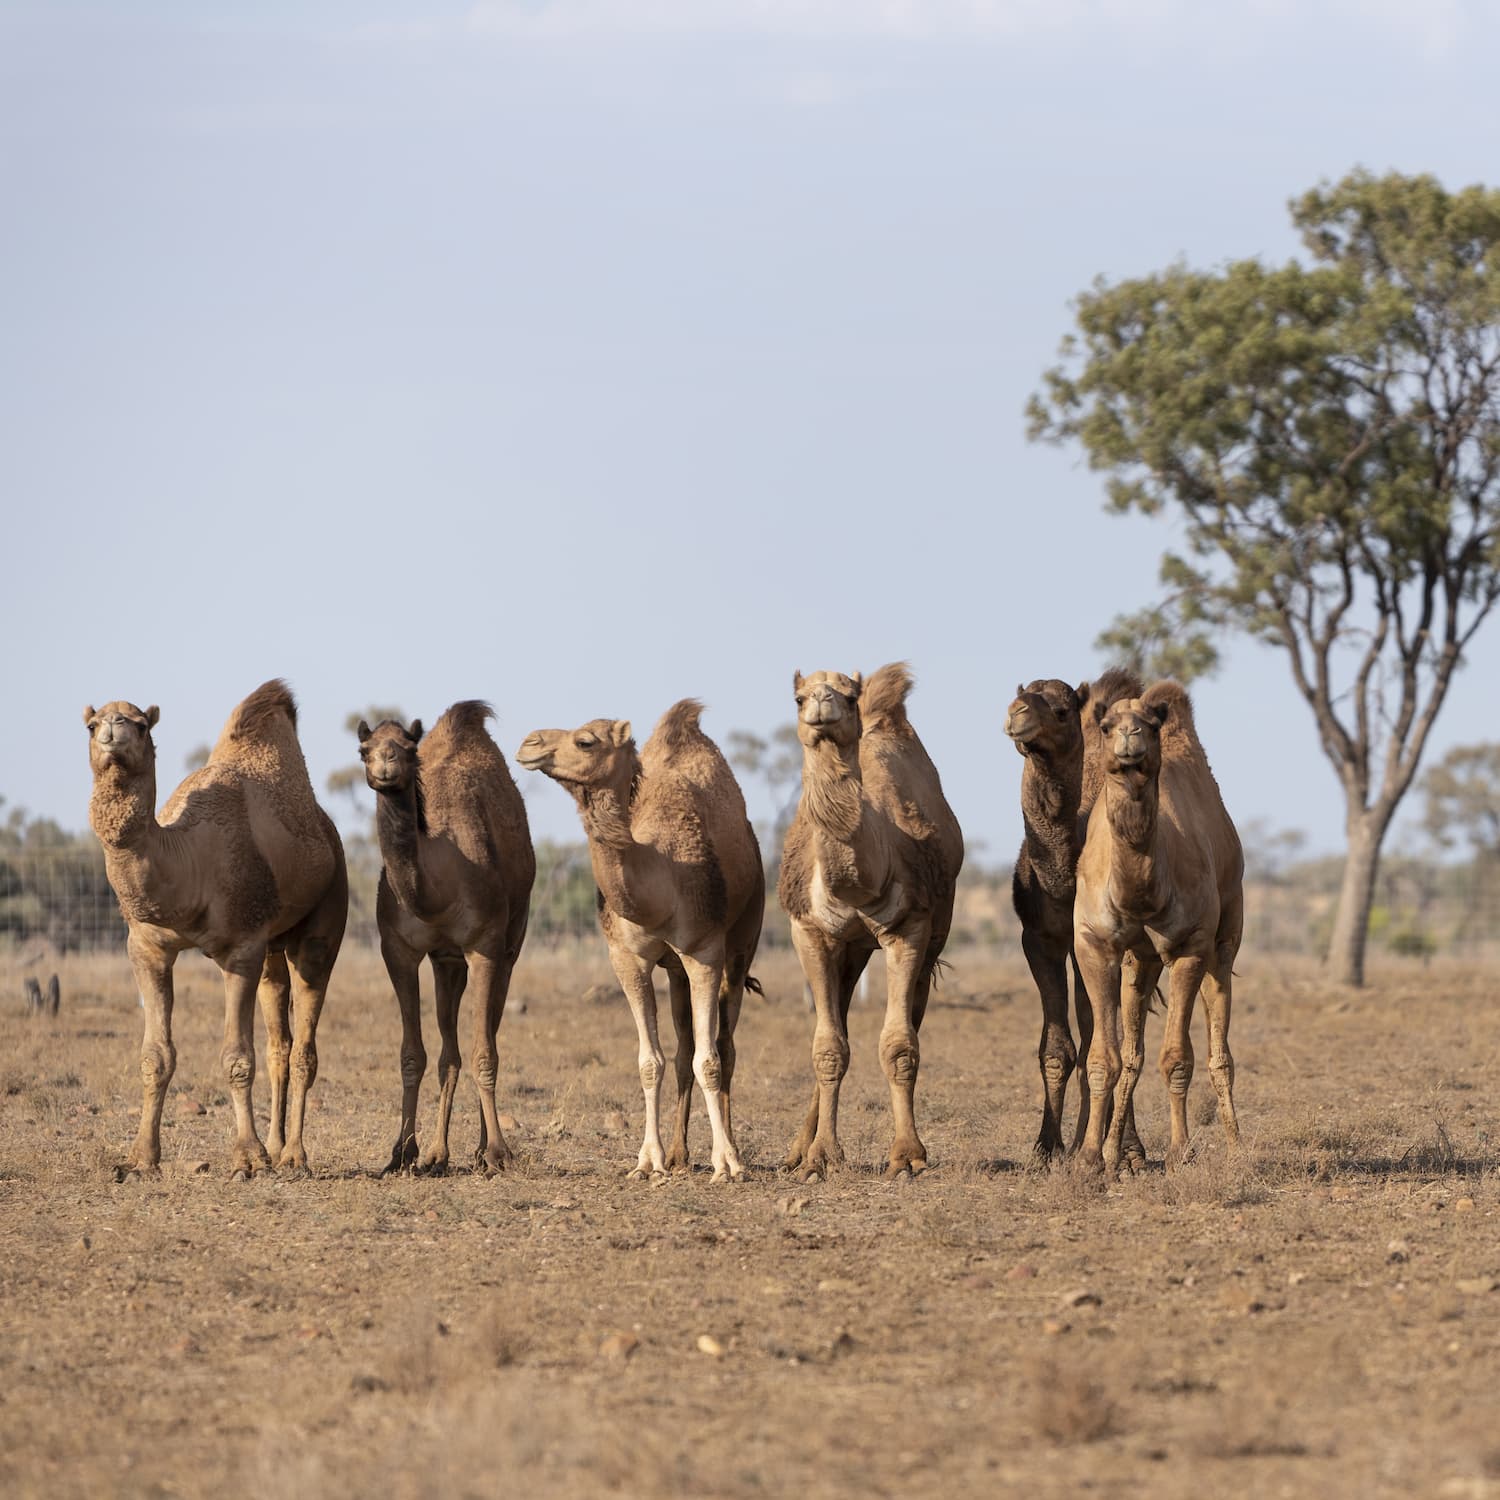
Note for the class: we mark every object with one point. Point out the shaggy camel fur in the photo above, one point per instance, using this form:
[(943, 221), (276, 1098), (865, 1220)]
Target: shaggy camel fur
[(870, 861), (681, 887), (1160, 878), (1059, 785), (243, 865), (455, 888)]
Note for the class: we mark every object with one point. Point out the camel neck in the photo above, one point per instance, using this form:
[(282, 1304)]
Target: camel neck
[(398, 827), (1132, 820), (626, 871), (122, 810), (832, 789), (1051, 792)]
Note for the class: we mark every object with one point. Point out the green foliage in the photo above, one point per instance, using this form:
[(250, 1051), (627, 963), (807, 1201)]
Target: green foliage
[(1462, 796), (564, 899), (1158, 642), (53, 886), (1327, 434)]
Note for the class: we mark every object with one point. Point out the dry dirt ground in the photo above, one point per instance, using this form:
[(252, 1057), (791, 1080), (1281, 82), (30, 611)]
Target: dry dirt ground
[(1321, 1317)]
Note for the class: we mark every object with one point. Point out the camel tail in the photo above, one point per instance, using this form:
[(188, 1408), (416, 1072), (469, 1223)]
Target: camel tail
[(882, 703), (754, 985), (263, 712), (678, 728)]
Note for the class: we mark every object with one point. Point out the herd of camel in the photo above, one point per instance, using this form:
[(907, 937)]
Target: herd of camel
[(1130, 862)]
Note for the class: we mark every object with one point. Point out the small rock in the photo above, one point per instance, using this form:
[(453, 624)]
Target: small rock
[(1020, 1272), (1397, 1251), (837, 1284), (793, 1205), (564, 1203), (1464, 1206), (709, 1345), (1054, 1326), (430, 1214), (1477, 1286), (508, 1122), (614, 1122), (367, 1383), (185, 1345), (187, 1105), (618, 1346), (1296, 1278), (1080, 1297), (842, 1344), (82, 1242)]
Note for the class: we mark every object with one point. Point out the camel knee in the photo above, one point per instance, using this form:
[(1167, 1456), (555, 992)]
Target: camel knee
[(304, 1064), (486, 1067), (1177, 1069), (830, 1059), (413, 1065), (1104, 1074), (651, 1065), (158, 1063), (240, 1066), (708, 1071), (900, 1057), (1058, 1058)]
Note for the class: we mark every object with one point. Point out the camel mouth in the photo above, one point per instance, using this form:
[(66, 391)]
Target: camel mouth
[(1022, 727), (536, 760)]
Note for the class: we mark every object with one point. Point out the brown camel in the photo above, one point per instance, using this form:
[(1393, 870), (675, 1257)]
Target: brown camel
[(243, 865), (870, 861), (455, 888), (1059, 785), (680, 887), (1159, 878)]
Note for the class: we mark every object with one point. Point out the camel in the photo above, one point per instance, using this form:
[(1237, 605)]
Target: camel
[(1159, 878), (245, 866), (1059, 785), (871, 860), (455, 888), (681, 887)]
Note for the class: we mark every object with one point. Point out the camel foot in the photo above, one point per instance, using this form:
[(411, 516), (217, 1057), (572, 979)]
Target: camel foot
[(130, 1168), (1044, 1154), (433, 1164), (493, 1160), (645, 1174), (292, 1160), (678, 1159), (1180, 1155), (908, 1158), (904, 1171), (403, 1157), (818, 1158), (732, 1170), (796, 1157), (246, 1162)]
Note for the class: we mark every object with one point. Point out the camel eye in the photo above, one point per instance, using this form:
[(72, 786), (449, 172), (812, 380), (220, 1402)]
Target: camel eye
[(586, 741)]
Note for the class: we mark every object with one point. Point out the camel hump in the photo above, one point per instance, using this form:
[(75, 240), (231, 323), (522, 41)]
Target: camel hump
[(1112, 684), (882, 702), (678, 728), (263, 713), (1179, 725), (459, 722)]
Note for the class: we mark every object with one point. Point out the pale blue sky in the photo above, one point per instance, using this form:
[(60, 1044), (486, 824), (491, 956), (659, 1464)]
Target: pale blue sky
[(589, 354)]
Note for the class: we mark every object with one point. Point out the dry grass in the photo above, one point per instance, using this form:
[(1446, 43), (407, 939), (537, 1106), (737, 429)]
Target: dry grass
[(1240, 1324)]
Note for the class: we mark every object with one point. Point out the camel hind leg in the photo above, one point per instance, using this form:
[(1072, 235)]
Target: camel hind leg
[(1217, 984), (706, 977), (275, 996), (1056, 1053), (492, 986), (450, 976), (681, 997)]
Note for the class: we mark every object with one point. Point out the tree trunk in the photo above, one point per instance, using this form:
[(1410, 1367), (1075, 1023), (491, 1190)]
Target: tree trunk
[(1351, 923)]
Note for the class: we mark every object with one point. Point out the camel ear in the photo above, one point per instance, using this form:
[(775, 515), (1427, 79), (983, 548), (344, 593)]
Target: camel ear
[(1161, 712), (1081, 693), (859, 681), (1020, 688), (153, 714), (415, 732), (88, 714), (620, 733), (363, 731), (1100, 706), (797, 680)]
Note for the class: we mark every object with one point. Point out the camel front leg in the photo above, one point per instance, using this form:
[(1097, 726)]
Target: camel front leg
[(706, 977), (817, 1145), (1083, 1008), (1216, 996), (152, 968), (681, 995), (403, 964), (1100, 966), (242, 973), (1132, 1036), (731, 1001), (1056, 1054), (900, 1055), (634, 974), (1177, 1049), (275, 996), (450, 974), (491, 986)]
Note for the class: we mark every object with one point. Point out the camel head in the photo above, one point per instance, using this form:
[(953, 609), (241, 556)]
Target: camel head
[(1131, 733), (120, 737), (597, 754), (389, 752), (827, 707), (1044, 716)]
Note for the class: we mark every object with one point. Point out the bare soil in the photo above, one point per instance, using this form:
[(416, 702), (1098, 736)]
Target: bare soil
[(1320, 1316)]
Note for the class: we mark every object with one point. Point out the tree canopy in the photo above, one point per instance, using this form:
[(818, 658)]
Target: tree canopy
[(1327, 432)]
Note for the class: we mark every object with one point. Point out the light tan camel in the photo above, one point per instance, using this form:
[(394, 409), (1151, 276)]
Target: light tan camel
[(243, 865), (870, 861), (455, 888), (1159, 878), (680, 886), (1059, 785)]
